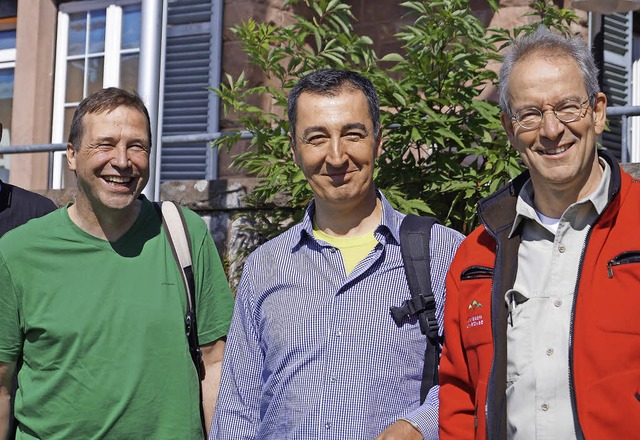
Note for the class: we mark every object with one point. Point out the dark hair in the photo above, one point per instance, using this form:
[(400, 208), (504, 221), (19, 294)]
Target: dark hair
[(330, 82), (105, 100), (547, 43)]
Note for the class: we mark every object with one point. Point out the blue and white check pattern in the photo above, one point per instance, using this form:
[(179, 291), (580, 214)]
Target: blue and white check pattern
[(313, 353)]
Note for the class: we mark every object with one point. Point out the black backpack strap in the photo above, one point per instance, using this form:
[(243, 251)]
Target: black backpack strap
[(175, 228), (415, 237)]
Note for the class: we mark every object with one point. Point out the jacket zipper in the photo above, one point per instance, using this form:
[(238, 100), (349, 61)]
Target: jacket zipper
[(623, 258), (493, 336), (572, 390)]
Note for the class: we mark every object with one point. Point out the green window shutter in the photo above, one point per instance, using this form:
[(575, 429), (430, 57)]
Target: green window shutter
[(187, 103), (617, 32)]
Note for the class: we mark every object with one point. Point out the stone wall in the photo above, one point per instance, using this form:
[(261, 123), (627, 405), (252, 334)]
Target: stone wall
[(221, 205)]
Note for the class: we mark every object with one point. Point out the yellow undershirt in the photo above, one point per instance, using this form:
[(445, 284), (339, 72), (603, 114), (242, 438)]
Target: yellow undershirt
[(352, 249)]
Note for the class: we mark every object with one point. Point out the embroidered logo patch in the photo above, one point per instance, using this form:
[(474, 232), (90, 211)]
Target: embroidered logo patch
[(474, 321)]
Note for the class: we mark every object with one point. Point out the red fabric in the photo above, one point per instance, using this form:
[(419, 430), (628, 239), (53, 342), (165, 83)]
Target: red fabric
[(606, 336)]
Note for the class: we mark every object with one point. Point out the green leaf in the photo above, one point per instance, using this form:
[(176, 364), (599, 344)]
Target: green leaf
[(395, 57)]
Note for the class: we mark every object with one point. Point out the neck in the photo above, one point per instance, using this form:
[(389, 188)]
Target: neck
[(104, 223), (348, 220), (553, 200)]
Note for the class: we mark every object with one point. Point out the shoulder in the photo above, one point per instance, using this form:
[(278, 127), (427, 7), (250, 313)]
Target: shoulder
[(194, 223), (446, 236), (478, 247), (277, 248), (192, 218), (33, 200), (33, 231)]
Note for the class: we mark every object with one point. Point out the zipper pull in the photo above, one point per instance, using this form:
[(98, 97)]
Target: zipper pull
[(610, 268), (512, 305)]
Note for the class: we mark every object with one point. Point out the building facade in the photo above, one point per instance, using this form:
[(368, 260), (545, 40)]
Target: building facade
[(55, 53)]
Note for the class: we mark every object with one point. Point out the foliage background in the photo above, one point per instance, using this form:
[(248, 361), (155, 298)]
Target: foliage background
[(443, 148)]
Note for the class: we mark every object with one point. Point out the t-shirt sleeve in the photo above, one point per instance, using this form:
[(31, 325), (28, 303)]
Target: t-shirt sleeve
[(10, 337), (214, 301)]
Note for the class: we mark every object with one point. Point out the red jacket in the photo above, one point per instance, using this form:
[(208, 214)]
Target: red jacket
[(604, 347)]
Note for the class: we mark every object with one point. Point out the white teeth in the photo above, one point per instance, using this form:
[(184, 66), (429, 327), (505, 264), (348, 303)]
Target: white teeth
[(552, 152), (116, 179)]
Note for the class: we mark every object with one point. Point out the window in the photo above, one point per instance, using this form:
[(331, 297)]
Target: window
[(7, 67), (192, 63), (98, 45)]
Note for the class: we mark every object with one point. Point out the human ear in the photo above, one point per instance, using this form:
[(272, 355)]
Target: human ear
[(71, 157), (507, 124), (600, 113)]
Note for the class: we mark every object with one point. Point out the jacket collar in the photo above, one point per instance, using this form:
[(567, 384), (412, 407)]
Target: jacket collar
[(389, 223), (497, 211)]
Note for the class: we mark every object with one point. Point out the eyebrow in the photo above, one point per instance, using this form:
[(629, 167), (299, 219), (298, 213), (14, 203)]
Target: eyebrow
[(356, 125), (113, 139), (322, 129), (311, 129), (566, 98)]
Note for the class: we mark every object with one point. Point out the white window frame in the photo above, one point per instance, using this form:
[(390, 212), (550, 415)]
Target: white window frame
[(111, 74), (7, 61)]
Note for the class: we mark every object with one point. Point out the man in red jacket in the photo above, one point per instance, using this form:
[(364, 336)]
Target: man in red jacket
[(542, 336)]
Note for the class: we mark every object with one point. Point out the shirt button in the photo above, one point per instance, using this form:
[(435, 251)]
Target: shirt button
[(339, 333), (549, 351), (562, 248), (333, 380), (557, 303), (327, 425), (545, 407), (333, 250)]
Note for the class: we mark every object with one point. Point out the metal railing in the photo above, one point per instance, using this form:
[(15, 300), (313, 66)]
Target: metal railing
[(166, 140), (624, 112)]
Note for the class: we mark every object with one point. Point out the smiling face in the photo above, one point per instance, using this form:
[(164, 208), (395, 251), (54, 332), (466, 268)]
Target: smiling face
[(112, 161), (336, 147), (560, 156)]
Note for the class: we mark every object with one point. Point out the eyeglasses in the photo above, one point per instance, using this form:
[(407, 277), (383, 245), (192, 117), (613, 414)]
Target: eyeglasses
[(570, 110)]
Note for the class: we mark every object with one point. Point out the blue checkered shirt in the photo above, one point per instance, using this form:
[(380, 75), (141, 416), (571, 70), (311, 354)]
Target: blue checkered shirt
[(314, 353)]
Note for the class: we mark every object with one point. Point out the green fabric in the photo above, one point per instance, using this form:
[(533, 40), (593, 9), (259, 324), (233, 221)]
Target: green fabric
[(105, 352)]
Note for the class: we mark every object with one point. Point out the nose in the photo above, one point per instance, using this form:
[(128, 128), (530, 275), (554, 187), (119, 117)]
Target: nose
[(336, 154), (551, 127), (120, 158)]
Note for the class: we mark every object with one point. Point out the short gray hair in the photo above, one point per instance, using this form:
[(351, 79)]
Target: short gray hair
[(545, 41)]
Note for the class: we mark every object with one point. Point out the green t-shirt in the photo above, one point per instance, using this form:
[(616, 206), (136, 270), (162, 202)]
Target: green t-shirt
[(101, 328)]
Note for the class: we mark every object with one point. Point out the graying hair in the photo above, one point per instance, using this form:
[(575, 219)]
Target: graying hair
[(549, 43)]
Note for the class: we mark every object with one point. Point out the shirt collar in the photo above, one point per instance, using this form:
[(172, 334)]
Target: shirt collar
[(389, 223), (598, 199)]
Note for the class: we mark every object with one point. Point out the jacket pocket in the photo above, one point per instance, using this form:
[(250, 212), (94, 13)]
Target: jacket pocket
[(628, 257), (475, 303), (476, 273)]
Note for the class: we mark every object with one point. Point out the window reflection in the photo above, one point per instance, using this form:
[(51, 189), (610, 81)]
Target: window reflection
[(131, 27), (75, 80), (8, 39), (129, 72), (77, 34), (97, 31), (95, 72)]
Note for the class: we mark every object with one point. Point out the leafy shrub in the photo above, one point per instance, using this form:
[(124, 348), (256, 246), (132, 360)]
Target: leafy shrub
[(443, 149)]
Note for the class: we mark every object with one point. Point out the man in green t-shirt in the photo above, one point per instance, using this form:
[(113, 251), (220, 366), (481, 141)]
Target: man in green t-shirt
[(92, 300)]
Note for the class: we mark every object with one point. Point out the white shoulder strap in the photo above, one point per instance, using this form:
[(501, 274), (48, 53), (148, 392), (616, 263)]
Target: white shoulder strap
[(177, 235)]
